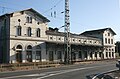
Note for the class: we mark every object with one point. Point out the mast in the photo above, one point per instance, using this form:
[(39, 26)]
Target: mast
[(67, 33)]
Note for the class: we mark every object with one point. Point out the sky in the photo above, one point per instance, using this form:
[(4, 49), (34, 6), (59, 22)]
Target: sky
[(84, 14)]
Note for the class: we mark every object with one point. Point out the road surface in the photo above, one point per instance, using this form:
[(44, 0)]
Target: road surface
[(78, 71)]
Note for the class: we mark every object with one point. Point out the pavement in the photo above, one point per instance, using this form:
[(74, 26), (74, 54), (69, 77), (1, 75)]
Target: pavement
[(76, 71)]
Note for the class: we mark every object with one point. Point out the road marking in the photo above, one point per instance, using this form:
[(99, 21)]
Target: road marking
[(65, 71), (71, 70), (31, 75), (53, 73)]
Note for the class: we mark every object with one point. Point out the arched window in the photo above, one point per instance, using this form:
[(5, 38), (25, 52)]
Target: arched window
[(38, 32), (19, 30), (29, 47), (30, 20), (29, 31), (27, 19), (19, 47)]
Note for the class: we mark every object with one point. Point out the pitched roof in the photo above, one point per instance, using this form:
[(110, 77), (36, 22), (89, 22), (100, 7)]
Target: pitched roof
[(98, 31), (32, 10), (48, 32)]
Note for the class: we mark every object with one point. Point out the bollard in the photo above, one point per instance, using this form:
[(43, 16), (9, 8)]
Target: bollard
[(118, 65)]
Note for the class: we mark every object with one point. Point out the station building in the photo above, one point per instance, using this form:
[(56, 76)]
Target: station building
[(26, 37)]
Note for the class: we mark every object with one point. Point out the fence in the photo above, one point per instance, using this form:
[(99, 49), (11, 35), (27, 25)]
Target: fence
[(27, 66)]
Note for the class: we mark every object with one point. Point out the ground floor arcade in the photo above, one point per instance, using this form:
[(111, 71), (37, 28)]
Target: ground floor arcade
[(46, 51)]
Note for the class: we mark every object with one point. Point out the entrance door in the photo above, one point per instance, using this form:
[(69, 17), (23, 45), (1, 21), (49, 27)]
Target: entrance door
[(19, 56), (73, 56), (29, 53), (85, 54), (19, 53), (51, 56), (29, 56), (59, 55), (38, 55), (80, 54)]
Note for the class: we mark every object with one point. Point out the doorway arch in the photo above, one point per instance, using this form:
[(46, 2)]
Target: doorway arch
[(19, 49)]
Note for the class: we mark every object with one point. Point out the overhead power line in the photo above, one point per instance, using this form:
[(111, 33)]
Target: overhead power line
[(53, 6)]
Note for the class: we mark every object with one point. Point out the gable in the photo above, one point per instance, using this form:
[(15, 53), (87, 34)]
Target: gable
[(98, 31), (109, 32), (35, 13)]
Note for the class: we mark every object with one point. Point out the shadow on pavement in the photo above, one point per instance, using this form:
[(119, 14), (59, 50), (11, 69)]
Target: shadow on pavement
[(101, 76)]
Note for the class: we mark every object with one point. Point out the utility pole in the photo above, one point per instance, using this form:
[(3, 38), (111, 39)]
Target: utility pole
[(67, 33)]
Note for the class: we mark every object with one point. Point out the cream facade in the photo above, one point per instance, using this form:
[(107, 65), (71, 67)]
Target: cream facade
[(25, 37)]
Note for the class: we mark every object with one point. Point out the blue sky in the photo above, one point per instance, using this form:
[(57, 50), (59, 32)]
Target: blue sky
[(84, 14)]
